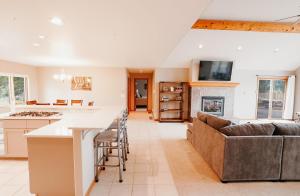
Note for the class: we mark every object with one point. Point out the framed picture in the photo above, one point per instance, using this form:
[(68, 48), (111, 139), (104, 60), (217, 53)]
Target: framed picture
[(81, 83)]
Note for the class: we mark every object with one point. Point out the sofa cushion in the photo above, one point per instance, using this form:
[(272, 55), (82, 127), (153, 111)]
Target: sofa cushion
[(287, 129), (216, 122), (202, 116), (248, 129)]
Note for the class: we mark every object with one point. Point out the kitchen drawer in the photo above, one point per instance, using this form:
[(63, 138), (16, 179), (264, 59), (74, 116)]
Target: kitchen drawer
[(35, 124), (14, 124)]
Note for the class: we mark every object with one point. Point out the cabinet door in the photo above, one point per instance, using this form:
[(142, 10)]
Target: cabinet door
[(16, 143)]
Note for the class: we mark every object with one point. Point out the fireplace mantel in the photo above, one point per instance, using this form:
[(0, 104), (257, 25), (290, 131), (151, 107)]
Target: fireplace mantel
[(213, 84)]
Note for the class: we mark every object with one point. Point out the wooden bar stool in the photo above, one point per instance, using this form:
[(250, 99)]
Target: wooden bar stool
[(76, 102), (31, 102), (61, 102)]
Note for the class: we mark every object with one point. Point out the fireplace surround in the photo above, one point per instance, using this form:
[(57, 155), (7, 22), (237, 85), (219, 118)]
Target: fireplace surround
[(200, 95)]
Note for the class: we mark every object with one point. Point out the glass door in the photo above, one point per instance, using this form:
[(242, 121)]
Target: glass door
[(271, 98)]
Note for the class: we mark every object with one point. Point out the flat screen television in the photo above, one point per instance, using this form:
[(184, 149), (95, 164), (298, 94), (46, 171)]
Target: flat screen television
[(215, 70)]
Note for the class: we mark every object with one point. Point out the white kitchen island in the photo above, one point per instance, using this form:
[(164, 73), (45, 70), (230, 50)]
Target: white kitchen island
[(60, 155)]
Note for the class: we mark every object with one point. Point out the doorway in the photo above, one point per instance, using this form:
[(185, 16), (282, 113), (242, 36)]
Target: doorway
[(140, 90), (141, 94), (271, 98)]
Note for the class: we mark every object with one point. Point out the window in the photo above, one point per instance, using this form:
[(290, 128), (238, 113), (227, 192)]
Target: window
[(13, 89), (19, 90), (4, 90), (271, 98)]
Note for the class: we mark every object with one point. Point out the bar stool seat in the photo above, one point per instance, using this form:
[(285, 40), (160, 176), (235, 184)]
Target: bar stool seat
[(106, 136)]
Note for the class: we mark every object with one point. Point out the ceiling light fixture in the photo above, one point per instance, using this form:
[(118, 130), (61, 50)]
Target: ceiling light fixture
[(62, 76), (239, 48), (42, 36), (57, 21), (36, 44), (200, 46)]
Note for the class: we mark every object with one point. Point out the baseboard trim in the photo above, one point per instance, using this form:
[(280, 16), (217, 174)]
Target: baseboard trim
[(14, 158), (93, 183)]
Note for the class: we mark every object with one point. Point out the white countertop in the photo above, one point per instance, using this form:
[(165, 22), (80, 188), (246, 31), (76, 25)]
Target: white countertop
[(73, 121)]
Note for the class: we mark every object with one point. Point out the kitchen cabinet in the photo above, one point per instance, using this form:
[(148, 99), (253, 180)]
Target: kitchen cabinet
[(14, 135)]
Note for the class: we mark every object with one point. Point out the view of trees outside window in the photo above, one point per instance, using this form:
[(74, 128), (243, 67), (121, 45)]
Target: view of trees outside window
[(12, 87), (271, 97), (19, 89), (4, 90)]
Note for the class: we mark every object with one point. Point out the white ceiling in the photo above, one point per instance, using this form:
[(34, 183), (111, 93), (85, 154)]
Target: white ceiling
[(143, 33), (131, 33), (259, 10), (258, 48), (257, 53)]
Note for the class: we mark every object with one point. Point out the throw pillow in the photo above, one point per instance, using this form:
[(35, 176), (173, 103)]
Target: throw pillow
[(202, 116), (217, 122)]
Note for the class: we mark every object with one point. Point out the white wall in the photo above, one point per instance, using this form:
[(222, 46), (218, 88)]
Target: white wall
[(246, 92), (16, 68), (297, 94), (167, 74), (109, 85)]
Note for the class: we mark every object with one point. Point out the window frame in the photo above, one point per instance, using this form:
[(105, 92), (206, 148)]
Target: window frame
[(270, 78), (12, 100)]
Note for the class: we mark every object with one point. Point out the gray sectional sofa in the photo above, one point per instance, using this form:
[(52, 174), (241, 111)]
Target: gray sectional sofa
[(248, 152)]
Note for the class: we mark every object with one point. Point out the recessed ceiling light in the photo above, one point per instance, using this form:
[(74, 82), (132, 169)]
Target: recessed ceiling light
[(42, 36), (200, 46), (276, 50), (57, 21), (36, 44), (240, 48)]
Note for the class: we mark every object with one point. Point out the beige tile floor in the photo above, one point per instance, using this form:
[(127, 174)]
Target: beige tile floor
[(14, 178), (161, 163)]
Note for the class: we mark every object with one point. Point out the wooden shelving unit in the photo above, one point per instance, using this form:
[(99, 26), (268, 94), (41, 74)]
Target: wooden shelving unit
[(173, 98)]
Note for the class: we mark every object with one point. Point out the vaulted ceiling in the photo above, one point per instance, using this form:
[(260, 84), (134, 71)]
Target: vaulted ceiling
[(143, 33), (248, 50)]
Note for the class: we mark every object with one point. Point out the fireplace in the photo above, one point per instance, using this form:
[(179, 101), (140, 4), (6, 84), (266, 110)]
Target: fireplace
[(213, 105)]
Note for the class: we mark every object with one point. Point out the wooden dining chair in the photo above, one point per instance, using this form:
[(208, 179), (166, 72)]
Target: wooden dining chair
[(31, 102), (91, 103), (76, 102), (61, 101), (43, 104)]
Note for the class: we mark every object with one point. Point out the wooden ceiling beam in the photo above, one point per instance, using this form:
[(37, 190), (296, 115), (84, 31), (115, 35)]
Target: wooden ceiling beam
[(279, 27)]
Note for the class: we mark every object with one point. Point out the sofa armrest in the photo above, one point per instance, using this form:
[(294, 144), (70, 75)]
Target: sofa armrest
[(252, 158), (290, 158), (210, 143)]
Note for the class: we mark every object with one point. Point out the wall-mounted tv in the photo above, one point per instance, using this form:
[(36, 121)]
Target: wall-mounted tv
[(215, 70)]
